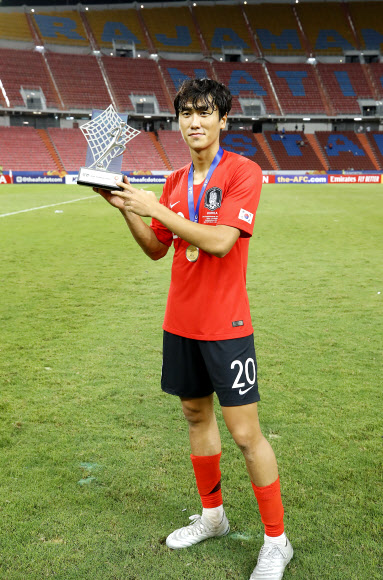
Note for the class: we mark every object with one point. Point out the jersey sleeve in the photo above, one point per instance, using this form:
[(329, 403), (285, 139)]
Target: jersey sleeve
[(162, 233), (240, 201)]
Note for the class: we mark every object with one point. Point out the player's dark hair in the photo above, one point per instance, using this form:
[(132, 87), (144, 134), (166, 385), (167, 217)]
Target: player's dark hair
[(205, 92)]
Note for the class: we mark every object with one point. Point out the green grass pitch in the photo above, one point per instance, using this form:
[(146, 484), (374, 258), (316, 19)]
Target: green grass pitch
[(94, 457)]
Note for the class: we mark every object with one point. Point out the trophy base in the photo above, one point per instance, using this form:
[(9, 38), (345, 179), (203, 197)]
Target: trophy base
[(99, 178)]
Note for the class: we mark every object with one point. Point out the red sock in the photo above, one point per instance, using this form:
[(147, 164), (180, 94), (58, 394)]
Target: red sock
[(208, 477), (270, 507)]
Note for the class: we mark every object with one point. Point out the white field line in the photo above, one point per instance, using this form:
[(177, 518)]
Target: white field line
[(45, 206)]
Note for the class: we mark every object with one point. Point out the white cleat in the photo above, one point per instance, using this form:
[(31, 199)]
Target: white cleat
[(197, 531), (272, 561)]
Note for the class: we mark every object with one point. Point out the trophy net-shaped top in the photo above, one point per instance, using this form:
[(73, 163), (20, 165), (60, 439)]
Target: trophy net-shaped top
[(107, 136)]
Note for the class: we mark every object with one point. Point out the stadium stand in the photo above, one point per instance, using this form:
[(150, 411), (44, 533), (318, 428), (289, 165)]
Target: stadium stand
[(23, 150), (276, 36), (297, 88), (176, 71), (172, 29), (243, 143), (64, 28), (344, 151), (362, 138), (14, 26), (376, 143), (71, 147), (118, 25), (223, 27), (136, 77), (376, 69), (175, 147), (141, 155), (327, 30), (345, 84), (23, 68), (79, 81), (247, 80), (71, 79), (293, 151), (368, 22)]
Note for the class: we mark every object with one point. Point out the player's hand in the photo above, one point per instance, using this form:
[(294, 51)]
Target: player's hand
[(111, 198), (138, 201)]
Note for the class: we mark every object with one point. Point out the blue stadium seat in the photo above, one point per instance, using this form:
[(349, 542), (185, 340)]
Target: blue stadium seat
[(58, 26), (332, 39), (287, 40), (118, 31), (290, 143), (183, 37), (340, 143), (372, 38), (241, 80), (238, 143), (227, 38), (294, 80), (344, 83), (178, 77), (378, 138)]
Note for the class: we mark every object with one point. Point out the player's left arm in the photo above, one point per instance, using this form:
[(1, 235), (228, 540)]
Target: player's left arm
[(217, 240)]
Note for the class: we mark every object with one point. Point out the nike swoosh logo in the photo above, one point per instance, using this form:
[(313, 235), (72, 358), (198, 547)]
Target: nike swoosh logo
[(173, 204), (241, 392)]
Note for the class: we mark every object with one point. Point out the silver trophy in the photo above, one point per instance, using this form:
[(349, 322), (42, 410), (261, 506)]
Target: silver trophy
[(107, 134)]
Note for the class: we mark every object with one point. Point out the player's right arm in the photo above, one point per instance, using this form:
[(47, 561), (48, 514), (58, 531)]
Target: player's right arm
[(141, 232)]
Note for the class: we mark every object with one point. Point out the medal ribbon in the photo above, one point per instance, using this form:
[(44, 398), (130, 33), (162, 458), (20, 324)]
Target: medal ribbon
[(193, 212)]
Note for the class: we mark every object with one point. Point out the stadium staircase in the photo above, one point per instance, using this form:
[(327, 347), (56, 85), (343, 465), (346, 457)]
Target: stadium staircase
[(70, 146), (160, 150), (376, 143), (306, 43), (252, 36), (44, 136), (34, 30), (348, 17), (323, 93), (318, 151), (259, 137), (176, 149), (205, 51), (146, 32), (89, 32), (368, 149)]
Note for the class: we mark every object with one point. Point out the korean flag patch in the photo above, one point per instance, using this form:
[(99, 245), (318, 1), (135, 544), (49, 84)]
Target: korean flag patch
[(246, 216)]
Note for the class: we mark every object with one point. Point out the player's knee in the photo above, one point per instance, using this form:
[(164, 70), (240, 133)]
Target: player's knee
[(246, 439), (193, 413)]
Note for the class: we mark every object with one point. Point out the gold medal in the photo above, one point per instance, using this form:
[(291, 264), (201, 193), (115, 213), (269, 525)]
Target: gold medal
[(192, 253)]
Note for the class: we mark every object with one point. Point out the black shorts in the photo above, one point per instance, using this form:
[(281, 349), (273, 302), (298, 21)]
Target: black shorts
[(197, 368)]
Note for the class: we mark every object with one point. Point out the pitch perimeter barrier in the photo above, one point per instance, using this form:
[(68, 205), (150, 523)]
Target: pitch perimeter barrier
[(301, 179), (355, 178), (157, 177)]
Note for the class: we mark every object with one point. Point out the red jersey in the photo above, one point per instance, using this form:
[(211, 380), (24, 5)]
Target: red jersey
[(207, 298)]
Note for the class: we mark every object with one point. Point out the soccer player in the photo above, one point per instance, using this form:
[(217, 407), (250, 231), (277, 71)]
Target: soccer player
[(207, 212)]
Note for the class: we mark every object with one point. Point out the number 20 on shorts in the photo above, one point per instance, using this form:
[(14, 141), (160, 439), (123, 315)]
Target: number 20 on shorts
[(250, 374)]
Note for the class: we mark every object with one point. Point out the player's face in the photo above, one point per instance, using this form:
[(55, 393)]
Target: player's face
[(201, 126)]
